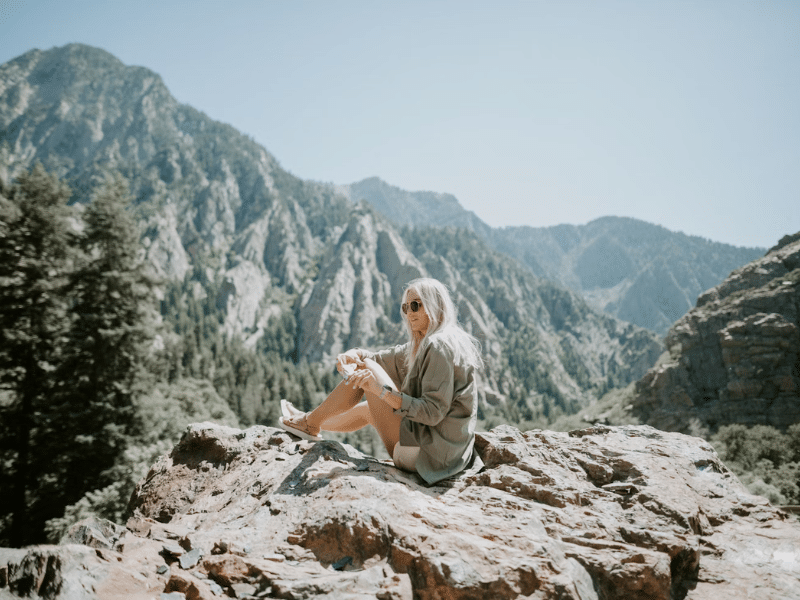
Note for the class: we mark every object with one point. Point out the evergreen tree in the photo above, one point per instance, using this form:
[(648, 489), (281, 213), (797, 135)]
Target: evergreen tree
[(34, 262), (110, 339)]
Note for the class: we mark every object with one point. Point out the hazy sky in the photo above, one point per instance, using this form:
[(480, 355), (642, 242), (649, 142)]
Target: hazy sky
[(684, 114)]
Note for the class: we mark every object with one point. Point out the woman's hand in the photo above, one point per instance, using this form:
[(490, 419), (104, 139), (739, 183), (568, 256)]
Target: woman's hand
[(372, 379), (364, 379), (348, 362)]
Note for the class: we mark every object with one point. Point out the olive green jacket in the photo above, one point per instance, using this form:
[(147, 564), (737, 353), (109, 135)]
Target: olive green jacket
[(440, 408)]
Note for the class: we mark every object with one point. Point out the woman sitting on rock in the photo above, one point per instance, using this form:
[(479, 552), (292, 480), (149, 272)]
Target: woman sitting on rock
[(420, 395)]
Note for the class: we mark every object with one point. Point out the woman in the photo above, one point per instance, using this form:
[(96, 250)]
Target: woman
[(420, 395)]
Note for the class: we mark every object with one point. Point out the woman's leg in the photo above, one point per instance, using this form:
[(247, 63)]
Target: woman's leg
[(341, 411), (342, 399), (352, 420), (387, 423), (405, 457)]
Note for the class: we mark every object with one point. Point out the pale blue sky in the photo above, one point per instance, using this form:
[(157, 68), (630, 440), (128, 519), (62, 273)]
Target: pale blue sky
[(684, 114)]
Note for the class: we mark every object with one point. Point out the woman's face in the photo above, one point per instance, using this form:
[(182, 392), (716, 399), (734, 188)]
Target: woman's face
[(417, 320)]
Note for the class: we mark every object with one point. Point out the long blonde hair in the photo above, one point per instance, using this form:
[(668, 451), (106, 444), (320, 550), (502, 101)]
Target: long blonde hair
[(442, 322)]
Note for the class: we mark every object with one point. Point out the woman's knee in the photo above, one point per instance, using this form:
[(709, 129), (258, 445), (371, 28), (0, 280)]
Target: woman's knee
[(405, 457)]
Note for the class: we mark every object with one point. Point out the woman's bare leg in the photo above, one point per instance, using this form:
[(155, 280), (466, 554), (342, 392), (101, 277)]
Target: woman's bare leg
[(342, 399), (387, 423), (341, 411), (373, 412), (354, 419)]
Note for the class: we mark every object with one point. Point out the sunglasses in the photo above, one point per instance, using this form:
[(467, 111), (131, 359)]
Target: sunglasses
[(414, 305)]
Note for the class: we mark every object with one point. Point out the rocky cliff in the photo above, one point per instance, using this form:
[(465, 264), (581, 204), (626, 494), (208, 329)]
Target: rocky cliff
[(604, 513), (217, 208), (636, 271), (735, 357)]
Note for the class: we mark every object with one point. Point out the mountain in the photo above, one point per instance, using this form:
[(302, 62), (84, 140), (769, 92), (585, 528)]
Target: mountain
[(221, 216), (636, 271), (735, 357), (417, 209), (627, 513)]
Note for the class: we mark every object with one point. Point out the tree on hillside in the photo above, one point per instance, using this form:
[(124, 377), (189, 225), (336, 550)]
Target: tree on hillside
[(76, 328), (35, 257), (110, 339)]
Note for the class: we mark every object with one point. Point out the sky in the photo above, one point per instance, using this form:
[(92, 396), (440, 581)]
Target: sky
[(681, 113)]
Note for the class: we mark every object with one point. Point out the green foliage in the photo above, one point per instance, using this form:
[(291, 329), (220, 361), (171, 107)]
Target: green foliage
[(766, 460), (113, 328), (76, 332), (35, 260), (252, 380)]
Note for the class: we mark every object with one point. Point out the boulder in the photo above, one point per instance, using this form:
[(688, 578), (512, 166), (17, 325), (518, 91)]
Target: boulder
[(602, 513)]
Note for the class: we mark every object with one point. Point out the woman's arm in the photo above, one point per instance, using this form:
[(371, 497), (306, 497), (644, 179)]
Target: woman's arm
[(391, 360), (437, 386), (374, 380)]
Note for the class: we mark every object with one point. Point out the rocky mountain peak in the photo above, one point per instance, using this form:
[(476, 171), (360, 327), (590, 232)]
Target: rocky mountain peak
[(421, 208), (637, 271), (614, 513)]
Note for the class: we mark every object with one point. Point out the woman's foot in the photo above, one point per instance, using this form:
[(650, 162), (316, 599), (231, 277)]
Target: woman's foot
[(298, 425)]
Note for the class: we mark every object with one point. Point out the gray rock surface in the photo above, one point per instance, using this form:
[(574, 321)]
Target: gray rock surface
[(735, 357), (628, 513)]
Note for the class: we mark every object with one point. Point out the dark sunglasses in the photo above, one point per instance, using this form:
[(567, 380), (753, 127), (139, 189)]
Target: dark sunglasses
[(414, 305)]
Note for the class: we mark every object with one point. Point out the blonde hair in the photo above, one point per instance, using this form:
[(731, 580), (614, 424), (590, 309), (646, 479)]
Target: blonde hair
[(442, 322)]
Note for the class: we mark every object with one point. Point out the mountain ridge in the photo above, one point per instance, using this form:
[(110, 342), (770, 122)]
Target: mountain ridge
[(217, 208), (613, 277), (597, 259)]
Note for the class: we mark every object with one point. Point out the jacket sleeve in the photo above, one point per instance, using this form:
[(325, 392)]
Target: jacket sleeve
[(436, 387)]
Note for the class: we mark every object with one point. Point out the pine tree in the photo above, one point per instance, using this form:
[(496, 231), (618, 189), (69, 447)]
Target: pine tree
[(110, 340), (35, 259)]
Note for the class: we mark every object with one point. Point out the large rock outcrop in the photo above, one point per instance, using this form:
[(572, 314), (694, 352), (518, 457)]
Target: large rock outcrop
[(603, 513), (735, 357)]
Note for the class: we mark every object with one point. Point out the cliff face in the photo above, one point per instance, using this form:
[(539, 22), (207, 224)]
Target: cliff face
[(735, 357), (613, 513)]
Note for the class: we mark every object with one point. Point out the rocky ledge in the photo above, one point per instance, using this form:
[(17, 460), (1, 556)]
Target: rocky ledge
[(601, 513)]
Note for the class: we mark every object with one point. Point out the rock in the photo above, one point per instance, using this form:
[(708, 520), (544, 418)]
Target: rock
[(240, 295), (734, 357), (165, 250), (190, 559), (93, 532), (607, 512), (190, 586)]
